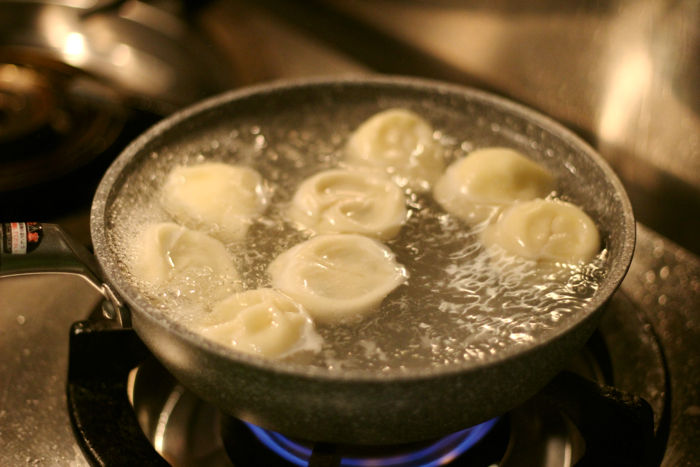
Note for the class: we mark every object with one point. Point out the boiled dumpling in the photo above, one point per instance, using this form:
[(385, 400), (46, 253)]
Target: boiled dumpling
[(261, 321), (337, 277), (400, 142), (174, 259), (549, 230), (478, 186), (345, 201), (221, 199)]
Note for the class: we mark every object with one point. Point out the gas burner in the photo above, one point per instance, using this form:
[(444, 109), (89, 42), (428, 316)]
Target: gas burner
[(26, 101), (53, 119), (73, 77), (119, 395), (300, 453), (187, 431)]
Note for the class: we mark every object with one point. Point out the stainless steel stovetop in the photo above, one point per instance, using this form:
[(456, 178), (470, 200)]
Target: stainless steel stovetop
[(622, 74), (660, 293)]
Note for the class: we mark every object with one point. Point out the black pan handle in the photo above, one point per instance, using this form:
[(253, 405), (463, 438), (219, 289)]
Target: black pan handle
[(36, 248), (103, 419)]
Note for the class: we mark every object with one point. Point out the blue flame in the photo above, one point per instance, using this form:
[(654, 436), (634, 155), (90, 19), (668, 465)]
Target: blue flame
[(441, 452)]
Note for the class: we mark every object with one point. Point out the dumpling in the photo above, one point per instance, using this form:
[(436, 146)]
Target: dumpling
[(337, 277), (400, 142), (478, 186), (262, 321), (345, 201), (171, 258), (221, 199), (549, 230)]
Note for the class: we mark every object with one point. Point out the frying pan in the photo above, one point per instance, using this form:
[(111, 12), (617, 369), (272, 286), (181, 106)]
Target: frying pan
[(365, 406)]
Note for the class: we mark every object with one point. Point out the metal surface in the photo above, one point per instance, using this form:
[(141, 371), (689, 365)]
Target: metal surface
[(145, 54), (71, 84), (665, 282), (35, 427), (57, 252), (365, 406), (622, 73), (37, 312), (55, 119), (567, 59)]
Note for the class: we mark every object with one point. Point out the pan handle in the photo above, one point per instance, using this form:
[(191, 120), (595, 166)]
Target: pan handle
[(36, 248)]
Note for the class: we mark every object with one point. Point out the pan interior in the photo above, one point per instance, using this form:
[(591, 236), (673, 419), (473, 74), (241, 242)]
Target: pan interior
[(461, 303)]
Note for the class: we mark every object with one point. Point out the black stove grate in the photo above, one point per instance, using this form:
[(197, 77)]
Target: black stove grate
[(617, 428)]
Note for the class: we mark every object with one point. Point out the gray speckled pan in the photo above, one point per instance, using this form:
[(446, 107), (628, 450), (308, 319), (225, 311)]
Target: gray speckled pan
[(366, 407)]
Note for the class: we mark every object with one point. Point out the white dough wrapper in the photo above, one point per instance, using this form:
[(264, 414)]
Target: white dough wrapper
[(400, 142), (175, 260), (262, 322), (349, 201), (339, 277), (220, 199), (478, 186), (548, 230)]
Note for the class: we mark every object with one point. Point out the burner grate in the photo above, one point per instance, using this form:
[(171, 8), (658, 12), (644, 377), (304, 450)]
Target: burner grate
[(53, 119), (617, 429)]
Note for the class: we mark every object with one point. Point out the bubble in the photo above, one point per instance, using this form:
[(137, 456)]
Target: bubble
[(461, 303)]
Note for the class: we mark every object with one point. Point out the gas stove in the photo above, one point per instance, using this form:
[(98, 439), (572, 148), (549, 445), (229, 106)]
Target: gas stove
[(577, 419), (630, 397)]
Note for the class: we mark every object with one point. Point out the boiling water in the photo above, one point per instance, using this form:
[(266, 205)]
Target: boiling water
[(461, 301)]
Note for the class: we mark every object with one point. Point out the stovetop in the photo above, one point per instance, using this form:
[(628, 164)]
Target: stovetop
[(659, 363), (652, 326)]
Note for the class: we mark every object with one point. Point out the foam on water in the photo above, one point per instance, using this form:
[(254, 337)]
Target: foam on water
[(461, 302)]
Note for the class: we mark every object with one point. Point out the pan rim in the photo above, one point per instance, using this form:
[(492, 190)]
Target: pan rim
[(140, 307)]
